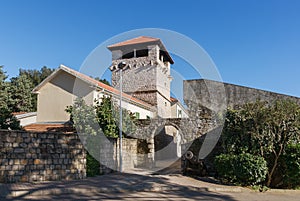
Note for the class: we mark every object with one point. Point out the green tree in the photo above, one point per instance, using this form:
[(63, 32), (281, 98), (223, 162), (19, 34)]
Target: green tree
[(20, 92), (102, 80), (262, 129), (91, 121), (34, 77), (37, 76), (7, 120), (3, 89), (291, 160), (106, 116), (83, 117), (244, 169)]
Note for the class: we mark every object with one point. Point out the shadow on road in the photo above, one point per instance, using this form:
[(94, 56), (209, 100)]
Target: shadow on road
[(111, 187)]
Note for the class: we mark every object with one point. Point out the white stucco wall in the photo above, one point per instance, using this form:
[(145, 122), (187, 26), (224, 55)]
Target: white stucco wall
[(175, 111), (143, 113), (27, 118)]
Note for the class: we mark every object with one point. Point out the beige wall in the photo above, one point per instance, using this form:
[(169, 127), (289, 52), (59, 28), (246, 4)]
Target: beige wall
[(56, 95), (52, 102), (62, 90)]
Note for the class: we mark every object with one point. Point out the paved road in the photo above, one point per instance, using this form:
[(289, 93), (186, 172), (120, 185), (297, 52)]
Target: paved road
[(137, 186), (171, 195)]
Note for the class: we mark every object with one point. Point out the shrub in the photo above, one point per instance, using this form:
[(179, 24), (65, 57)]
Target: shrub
[(224, 166), (92, 166), (292, 166), (244, 169)]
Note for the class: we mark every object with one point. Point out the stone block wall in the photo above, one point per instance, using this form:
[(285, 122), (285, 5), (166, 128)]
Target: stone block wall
[(129, 154), (30, 157), (215, 95), (109, 155), (206, 99), (147, 78)]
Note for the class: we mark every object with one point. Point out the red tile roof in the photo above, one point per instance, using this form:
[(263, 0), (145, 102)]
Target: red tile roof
[(138, 40), (55, 127), (95, 83), (104, 86), (141, 40), (173, 100), (18, 113)]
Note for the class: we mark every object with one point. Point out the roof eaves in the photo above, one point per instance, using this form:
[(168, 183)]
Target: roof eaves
[(94, 83), (35, 89), (129, 99), (133, 41)]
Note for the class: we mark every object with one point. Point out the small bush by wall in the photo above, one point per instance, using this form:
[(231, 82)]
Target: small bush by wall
[(244, 169), (292, 166), (92, 166)]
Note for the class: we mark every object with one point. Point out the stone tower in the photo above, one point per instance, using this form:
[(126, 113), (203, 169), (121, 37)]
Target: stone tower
[(147, 75)]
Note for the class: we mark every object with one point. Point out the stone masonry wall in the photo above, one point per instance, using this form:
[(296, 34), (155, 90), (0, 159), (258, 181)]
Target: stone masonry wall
[(109, 155), (147, 78), (213, 94), (29, 157), (206, 99)]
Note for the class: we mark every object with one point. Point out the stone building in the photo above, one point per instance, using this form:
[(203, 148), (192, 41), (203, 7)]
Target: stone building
[(146, 84), (147, 76)]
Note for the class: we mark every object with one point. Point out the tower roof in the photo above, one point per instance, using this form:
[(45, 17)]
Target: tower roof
[(142, 40), (138, 40)]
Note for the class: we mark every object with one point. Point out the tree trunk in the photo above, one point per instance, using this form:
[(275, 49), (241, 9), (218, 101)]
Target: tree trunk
[(274, 165), (272, 172)]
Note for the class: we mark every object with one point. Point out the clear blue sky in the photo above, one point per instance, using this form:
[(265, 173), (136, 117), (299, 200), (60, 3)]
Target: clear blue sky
[(254, 43)]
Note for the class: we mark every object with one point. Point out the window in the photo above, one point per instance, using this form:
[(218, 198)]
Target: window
[(137, 115), (142, 53), (162, 55), (179, 113), (135, 54), (147, 117), (128, 55)]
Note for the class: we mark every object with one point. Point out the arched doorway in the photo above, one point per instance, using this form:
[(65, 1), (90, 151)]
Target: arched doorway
[(167, 142)]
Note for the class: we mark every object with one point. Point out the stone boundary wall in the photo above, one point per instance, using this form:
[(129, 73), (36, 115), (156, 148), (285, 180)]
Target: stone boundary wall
[(109, 155), (32, 156), (211, 94), (205, 98)]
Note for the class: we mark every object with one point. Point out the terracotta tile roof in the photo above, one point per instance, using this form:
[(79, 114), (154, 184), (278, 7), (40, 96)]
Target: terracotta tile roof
[(55, 127), (173, 100), (92, 82), (18, 113), (103, 86), (141, 40), (138, 40)]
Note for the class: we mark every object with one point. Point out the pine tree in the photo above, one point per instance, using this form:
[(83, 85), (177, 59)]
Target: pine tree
[(36, 77), (3, 90), (20, 92), (7, 120)]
